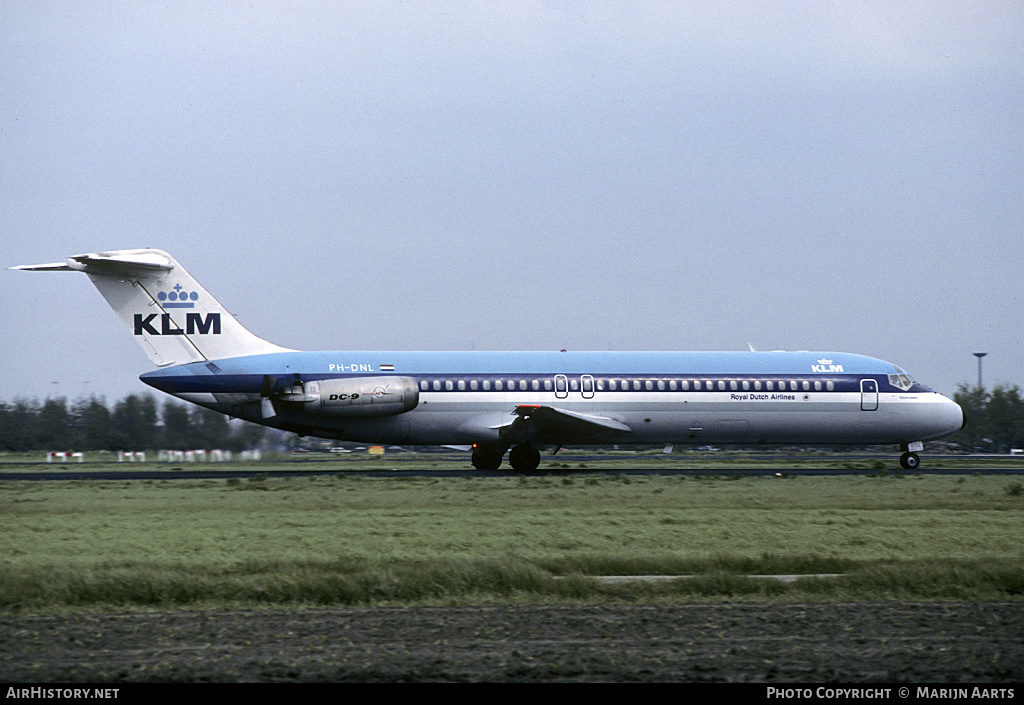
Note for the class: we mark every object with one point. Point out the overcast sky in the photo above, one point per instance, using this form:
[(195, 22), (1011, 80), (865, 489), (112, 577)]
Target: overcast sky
[(521, 175)]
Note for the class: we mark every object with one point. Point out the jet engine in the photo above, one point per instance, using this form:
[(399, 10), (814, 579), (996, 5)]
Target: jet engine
[(361, 396), (356, 396)]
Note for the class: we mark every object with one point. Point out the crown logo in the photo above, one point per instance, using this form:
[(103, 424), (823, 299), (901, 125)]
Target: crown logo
[(824, 362), (178, 298)]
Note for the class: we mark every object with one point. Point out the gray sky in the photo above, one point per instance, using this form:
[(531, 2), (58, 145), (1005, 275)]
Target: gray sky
[(521, 175)]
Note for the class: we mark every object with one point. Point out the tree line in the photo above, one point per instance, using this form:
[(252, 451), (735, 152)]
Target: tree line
[(136, 422), (994, 423), (994, 418)]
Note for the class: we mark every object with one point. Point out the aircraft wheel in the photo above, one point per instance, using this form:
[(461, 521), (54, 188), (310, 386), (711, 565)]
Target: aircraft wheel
[(524, 458), (486, 459), (910, 461)]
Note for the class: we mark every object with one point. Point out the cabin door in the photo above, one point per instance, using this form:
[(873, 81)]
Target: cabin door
[(587, 384), (868, 395), (561, 386)]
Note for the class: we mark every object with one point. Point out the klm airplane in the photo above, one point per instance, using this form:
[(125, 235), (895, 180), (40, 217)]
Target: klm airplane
[(514, 402)]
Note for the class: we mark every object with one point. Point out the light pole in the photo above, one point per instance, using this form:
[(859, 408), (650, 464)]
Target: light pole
[(979, 355)]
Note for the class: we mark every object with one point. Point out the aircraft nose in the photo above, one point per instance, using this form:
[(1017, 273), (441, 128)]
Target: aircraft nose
[(952, 416)]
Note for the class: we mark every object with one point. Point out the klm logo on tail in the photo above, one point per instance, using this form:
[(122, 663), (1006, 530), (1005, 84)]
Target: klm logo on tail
[(194, 324), (178, 298)]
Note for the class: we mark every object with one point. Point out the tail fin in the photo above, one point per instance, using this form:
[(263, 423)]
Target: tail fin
[(174, 319)]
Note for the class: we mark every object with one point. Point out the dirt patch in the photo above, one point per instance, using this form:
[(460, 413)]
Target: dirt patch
[(855, 642)]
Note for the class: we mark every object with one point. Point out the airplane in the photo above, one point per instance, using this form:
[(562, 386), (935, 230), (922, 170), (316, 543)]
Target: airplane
[(515, 402)]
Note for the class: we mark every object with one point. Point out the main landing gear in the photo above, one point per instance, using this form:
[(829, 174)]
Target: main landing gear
[(522, 458), (486, 458)]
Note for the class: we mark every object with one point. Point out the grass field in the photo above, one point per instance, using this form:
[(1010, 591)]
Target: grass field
[(347, 540)]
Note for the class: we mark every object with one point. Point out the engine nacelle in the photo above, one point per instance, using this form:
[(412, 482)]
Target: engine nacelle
[(361, 396)]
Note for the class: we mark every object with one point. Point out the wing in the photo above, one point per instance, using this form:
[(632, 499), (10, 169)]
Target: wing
[(550, 424)]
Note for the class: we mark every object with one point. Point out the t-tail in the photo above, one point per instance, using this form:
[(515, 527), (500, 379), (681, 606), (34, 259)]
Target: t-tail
[(173, 317)]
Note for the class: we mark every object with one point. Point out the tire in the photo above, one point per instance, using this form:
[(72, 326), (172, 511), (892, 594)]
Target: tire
[(910, 461), (486, 459), (524, 458)]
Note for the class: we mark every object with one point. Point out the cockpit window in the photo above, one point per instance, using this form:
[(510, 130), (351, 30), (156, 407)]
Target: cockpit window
[(901, 379)]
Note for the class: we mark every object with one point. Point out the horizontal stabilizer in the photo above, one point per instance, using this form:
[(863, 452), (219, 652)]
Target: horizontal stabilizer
[(118, 263), (54, 267)]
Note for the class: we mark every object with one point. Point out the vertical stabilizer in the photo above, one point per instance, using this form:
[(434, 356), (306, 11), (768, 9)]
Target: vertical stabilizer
[(169, 313)]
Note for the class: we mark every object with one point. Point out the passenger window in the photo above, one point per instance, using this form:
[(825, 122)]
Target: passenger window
[(424, 385), (769, 385), (636, 385), (806, 385), (437, 385), (448, 385), (685, 385), (721, 385), (499, 385), (733, 385), (612, 385), (696, 384), (817, 385), (536, 385), (757, 385), (649, 385), (487, 385), (473, 385), (829, 385)]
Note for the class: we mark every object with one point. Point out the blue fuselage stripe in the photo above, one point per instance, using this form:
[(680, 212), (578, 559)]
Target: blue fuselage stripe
[(323, 365), (511, 382)]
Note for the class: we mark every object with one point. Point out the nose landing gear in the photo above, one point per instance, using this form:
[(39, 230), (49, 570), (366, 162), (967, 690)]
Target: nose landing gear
[(910, 461)]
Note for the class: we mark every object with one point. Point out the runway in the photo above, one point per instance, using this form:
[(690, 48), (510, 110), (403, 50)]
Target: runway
[(416, 465)]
